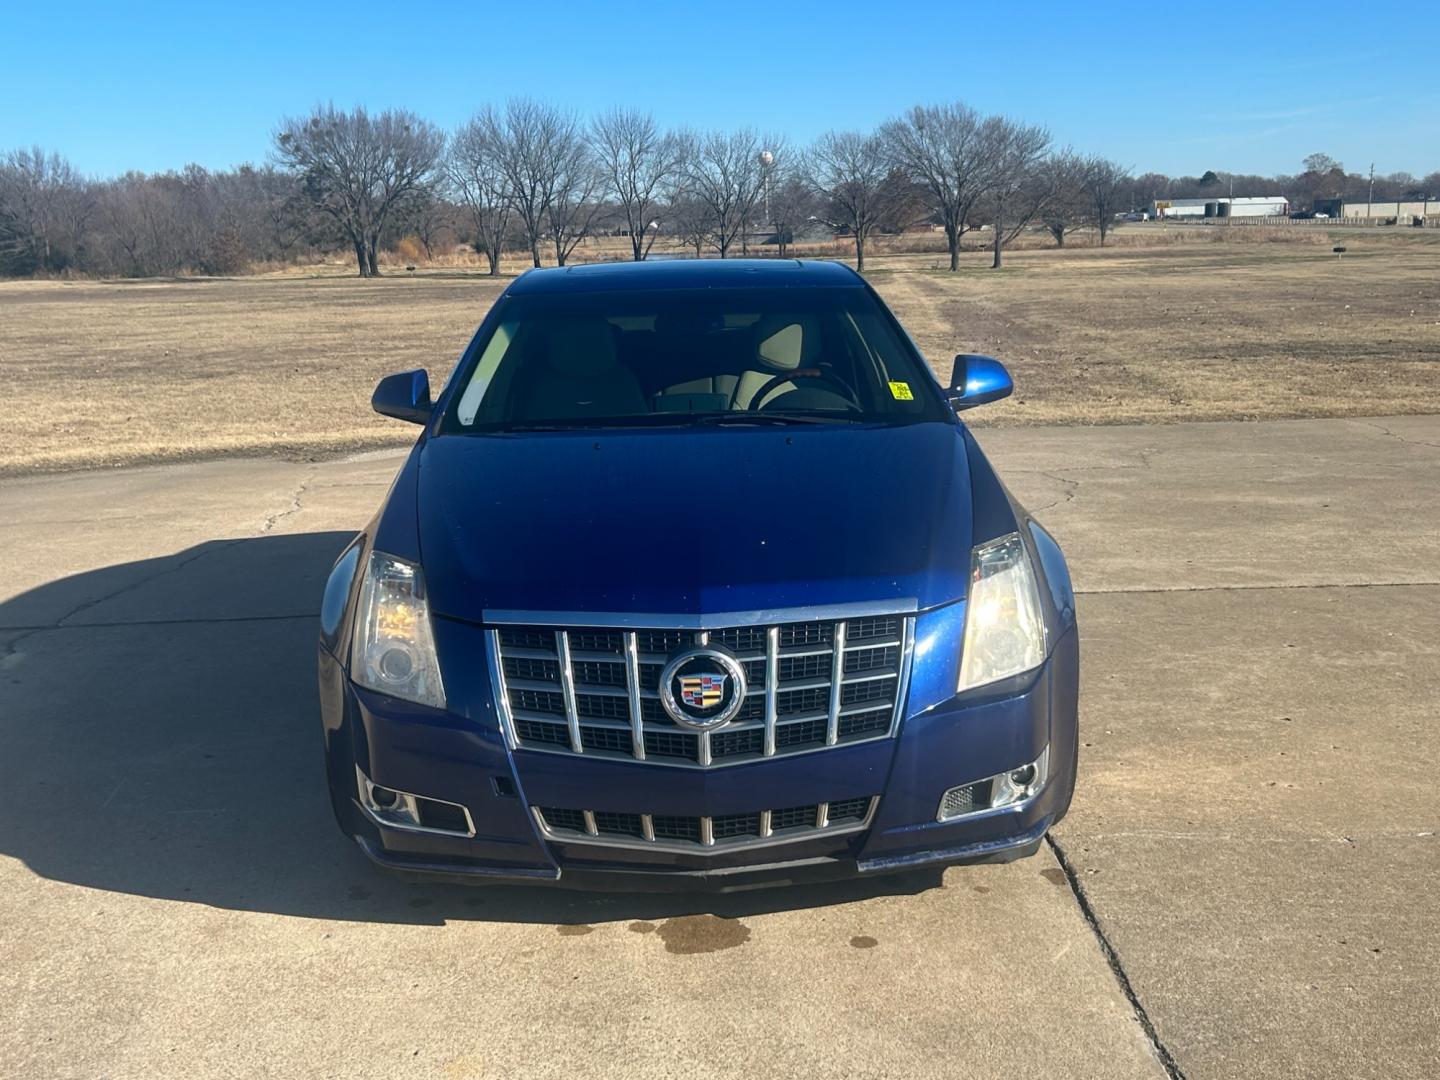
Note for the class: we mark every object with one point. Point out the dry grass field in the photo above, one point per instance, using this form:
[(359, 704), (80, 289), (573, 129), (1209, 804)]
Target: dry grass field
[(110, 373), (1191, 332)]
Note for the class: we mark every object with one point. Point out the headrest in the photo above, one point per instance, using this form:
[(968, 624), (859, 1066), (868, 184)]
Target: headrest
[(788, 341), (580, 347)]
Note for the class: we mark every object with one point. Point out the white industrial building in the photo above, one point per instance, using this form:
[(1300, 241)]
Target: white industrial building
[(1249, 207), (1403, 210)]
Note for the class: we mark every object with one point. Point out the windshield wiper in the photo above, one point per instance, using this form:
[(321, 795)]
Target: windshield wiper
[(601, 423), (770, 418), (773, 417)]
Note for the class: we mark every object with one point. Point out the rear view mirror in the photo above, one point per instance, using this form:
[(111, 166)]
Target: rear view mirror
[(977, 380), (405, 396)]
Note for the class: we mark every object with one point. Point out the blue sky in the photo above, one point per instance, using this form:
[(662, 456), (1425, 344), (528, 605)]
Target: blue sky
[(154, 86)]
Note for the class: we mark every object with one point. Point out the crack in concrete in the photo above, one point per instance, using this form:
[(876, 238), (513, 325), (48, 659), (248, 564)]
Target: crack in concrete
[(1071, 487), (1158, 1047), (216, 546), (295, 502), (12, 647), (1386, 431)]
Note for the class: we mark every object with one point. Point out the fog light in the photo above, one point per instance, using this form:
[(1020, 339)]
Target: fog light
[(413, 813), (996, 792)]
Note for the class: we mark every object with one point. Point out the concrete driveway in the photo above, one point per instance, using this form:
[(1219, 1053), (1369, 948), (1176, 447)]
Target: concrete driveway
[(1245, 887)]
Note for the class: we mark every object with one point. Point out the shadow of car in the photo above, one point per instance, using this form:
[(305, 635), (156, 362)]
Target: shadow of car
[(161, 739)]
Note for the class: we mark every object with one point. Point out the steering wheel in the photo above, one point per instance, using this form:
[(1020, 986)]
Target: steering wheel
[(803, 373)]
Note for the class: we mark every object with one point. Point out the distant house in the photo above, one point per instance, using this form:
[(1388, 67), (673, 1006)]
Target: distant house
[(1222, 207), (1381, 209)]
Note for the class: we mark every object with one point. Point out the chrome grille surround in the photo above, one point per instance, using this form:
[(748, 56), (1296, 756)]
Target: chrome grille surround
[(706, 835), (585, 683)]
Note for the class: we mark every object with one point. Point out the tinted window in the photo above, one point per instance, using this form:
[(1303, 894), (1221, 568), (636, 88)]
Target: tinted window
[(692, 356)]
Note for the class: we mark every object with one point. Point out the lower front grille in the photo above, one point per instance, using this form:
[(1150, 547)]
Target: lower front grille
[(619, 829)]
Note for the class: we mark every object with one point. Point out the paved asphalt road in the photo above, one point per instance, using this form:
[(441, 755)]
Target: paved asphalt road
[(1246, 885)]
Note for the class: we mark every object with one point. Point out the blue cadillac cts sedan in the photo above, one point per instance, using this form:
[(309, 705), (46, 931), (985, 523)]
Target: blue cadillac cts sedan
[(695, 579)]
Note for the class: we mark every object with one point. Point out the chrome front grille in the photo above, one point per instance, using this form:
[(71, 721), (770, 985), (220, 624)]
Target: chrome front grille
[(705, 833), (812, 684)]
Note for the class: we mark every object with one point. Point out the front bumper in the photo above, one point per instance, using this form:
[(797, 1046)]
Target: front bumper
[(459, 756), (720, 880)]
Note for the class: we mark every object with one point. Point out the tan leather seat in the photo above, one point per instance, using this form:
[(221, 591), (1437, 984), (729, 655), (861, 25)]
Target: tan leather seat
[(779, 342)]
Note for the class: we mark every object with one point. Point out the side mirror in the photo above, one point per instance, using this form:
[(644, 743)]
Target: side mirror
[(405, 397), (977, 380)]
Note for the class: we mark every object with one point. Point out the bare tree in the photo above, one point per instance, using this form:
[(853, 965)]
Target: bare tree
[(427, 217), (137, 214), (578, 196), (1322, 163), (531, 176), (858, 186), (1015, 188), (1106, 182), (538, 145), (252, 202), (1068, 207), (793, 204), (1149, 188), (724, 174), (638, 161), (45, 206), (688, 220), (941, 148), (1323, 178), (356, 167), (478, 180)]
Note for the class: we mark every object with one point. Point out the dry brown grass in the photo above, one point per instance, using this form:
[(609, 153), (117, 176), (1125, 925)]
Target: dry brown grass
[(1191, 332), (120, 372), (108, 373)]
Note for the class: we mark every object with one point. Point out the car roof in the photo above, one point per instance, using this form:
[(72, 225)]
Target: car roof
[(661, 273)]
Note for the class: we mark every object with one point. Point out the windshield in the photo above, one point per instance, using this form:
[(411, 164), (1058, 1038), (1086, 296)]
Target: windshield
[(692, 356)]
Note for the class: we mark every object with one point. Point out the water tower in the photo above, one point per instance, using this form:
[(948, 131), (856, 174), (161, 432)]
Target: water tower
[(767, 160)]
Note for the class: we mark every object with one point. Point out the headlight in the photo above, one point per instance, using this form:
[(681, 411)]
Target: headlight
[(394, 648), (1004, 628)]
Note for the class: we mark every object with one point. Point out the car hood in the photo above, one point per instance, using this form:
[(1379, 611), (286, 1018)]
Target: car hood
[(704, 521)]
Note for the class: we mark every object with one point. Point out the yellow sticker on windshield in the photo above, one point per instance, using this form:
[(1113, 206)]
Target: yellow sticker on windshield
[(900, 391)]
